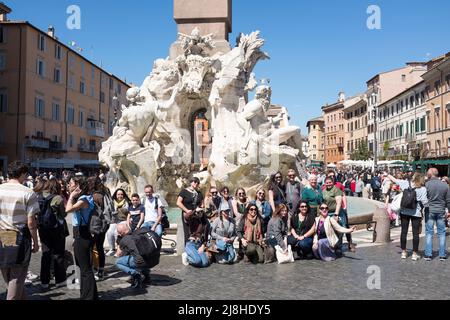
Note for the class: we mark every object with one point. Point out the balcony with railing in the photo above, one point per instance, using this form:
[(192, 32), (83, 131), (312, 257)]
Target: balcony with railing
[(37, 143), (340, 146), (57, 146), (95, 128), (88, 148)]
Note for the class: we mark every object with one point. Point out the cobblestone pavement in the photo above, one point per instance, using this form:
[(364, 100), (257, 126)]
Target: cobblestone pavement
[(345, 278)]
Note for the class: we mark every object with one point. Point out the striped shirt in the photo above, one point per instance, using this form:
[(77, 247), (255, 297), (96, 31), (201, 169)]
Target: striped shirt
[(17, 204)]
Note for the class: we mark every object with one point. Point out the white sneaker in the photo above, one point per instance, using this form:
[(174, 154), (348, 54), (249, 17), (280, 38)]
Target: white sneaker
[(415, 257), (110, 253), (404, 255), (31, 276), (184, 259)]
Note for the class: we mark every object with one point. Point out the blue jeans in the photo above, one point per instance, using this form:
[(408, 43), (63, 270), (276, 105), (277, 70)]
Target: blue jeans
[(303, 247), (228, 255), (430, 219), (194, 258), (127, 265), (149, 224)]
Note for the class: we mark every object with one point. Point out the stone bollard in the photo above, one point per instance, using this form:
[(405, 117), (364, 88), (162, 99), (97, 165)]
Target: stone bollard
[(383, 228)]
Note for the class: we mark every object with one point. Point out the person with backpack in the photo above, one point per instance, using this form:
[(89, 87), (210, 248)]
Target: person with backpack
[(103, 206), (81, 204), (413, 203), (375, 184), (51, 229), (153, 211), (140, 251)]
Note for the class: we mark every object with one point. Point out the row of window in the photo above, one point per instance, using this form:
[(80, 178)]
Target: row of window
[(335, 152), (334, 128), (72, 62), (332, 117), (70, 140), (400, 131), (355, 144), (40, 70), (357, 124), (408, 103), (357, 112), (39, 111)]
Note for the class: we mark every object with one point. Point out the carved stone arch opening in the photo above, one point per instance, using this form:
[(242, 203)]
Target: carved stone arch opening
[(200, 138)]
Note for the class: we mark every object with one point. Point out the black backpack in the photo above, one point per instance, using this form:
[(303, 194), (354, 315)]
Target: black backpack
[(409, 198), (100, 218), (164, 219), (46, 217), (148, 244)]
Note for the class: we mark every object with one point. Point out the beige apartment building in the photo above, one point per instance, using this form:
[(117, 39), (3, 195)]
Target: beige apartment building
[(355, 124), (54, 103), (437, 90), (316, 140), (333, 116), (386, 85)]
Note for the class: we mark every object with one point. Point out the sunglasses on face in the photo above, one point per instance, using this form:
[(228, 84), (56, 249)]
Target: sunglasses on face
[(278, 177), (215, 192), (261, 194), (252, 209), (241, 194), (323, 208), (303, 206)]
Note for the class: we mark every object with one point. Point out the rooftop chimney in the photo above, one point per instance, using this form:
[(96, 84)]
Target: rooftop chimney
[(51, 31), (341, 96), (4, 10)]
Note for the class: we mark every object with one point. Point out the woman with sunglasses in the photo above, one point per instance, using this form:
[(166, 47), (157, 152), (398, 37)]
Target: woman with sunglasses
[(250, 233), (277, 232), (277, 191), (190, 201), (302, 230), (264, 208), (326, 239)]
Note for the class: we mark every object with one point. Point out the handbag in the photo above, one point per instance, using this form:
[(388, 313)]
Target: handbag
[(282, 257), (396, 203), (15, 247)]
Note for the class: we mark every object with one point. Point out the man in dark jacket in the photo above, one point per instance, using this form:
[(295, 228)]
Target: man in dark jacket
[(376, 187), (139, 251), (438, 199)]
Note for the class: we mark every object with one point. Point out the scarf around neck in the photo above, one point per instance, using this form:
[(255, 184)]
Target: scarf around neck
[(252, 230)]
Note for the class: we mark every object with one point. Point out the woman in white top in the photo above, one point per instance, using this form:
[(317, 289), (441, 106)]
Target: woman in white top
[(413, 215)]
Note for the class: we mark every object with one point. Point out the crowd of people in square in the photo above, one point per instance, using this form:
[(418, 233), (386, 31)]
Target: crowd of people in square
[(291, 218)]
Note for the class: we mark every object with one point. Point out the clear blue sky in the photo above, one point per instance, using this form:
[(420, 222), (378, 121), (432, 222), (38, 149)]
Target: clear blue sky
[(317, 48)]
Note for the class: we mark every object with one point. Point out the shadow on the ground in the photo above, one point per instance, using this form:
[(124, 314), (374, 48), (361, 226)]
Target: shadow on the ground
[(160, 280), (120, 293)]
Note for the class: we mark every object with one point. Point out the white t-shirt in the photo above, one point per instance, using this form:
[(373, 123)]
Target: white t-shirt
[(151, 214)]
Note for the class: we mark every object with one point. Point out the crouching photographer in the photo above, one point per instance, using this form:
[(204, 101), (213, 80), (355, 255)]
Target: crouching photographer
[(139, 251)]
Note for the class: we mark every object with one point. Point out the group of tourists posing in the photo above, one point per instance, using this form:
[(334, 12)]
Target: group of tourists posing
[(305, 219)]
